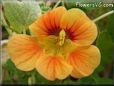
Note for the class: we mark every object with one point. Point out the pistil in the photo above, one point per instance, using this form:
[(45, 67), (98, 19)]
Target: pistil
[(62, 35)]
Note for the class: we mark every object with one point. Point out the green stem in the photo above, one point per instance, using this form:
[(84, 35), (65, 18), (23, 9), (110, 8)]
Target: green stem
[(63, 3), (4, 23), (8, 30), (31, 80), (57, 4), (24, 31), (103, 16)]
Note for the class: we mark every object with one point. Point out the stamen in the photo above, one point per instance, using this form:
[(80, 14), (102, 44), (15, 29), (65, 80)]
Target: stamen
[(62, 35)]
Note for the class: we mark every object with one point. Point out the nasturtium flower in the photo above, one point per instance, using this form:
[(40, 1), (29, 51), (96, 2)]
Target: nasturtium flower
[(59, 45)]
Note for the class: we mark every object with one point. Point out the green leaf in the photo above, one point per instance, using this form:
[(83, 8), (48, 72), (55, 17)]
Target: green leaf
[(6, 79), (70, 4), (38, 78), (110, 26), (102, 80), (21, 14), (105, 44), (86, 80), (95, 80), (15, 75)]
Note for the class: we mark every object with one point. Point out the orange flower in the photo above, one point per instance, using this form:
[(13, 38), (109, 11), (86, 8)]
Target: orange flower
[(60, 45)]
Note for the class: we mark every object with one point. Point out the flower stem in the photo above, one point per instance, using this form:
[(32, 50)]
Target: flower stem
[(24, 31), (63, 4), (103, 16), (4, 23), (57, 4), (31, 79)]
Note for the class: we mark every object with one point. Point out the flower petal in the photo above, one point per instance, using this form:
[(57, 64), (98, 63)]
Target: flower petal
[(79, 28), (85, 35), (84, 61), (48, 24), (52, 67), (71, 17), (24, 51)]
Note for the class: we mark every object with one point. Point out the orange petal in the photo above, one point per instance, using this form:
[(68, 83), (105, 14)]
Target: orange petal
[(48, 24), (86, 34), (84, 61), (52, 67), (24, 51), (79, 27)]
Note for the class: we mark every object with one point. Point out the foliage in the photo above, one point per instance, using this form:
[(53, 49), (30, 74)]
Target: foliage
[(21, 14)]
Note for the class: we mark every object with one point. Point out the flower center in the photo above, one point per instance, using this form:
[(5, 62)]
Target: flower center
[(62, 35), (58, 44)]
